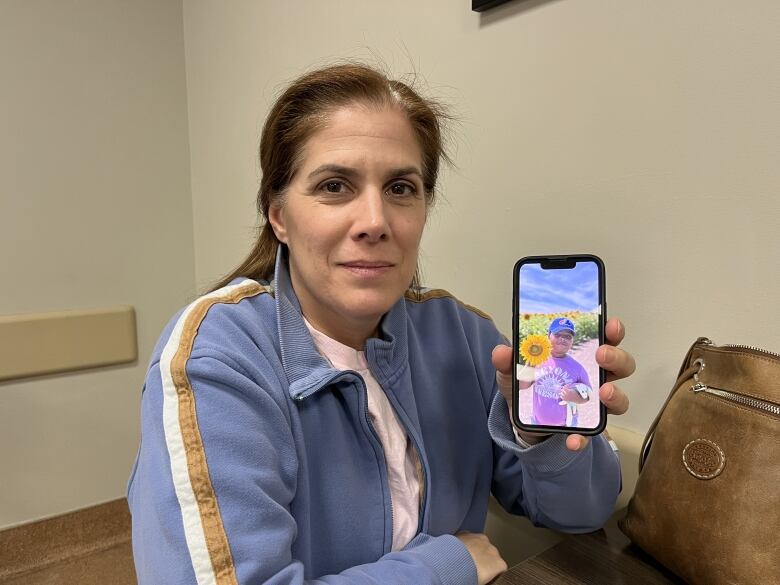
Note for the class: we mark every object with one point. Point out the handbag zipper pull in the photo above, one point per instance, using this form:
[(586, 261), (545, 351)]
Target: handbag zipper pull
[(699, 386)]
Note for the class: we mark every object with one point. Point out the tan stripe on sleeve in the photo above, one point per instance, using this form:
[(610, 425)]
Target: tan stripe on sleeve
[(438, 293), (213, 528)]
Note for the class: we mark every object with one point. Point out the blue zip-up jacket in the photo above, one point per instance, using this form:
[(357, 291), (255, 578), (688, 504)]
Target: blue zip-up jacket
[(258, 463)]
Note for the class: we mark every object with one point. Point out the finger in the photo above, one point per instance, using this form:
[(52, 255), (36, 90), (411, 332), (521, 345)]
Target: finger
[(613, 398), (614, 331), (576, 442), (617, 362), (502, 359)]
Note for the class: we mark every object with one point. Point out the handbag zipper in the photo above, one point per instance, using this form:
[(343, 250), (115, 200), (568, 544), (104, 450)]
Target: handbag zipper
[(752, 348), (757, 403), (763, 405)]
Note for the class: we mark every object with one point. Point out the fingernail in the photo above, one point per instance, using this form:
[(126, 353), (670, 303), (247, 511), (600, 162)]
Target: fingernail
[(606, 353)]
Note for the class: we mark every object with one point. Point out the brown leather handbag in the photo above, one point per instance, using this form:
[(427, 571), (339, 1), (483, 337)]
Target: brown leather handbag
[(707, 502)]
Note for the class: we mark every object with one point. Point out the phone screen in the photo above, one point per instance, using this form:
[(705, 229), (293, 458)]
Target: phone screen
[(559, 314)]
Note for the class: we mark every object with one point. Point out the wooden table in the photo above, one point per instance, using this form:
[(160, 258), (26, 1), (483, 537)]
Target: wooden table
[(600, 558)]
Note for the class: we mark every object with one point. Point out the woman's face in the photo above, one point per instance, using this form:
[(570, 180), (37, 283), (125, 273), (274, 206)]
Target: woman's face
[(352, 218)]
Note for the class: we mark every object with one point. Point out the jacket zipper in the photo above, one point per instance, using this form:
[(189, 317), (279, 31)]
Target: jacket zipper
[(421, 479), (367, 418), (756, 403), (420, 468), (421, 475), (344, 374)]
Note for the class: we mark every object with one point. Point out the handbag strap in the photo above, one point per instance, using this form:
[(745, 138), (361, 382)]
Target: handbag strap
[(685, 374)]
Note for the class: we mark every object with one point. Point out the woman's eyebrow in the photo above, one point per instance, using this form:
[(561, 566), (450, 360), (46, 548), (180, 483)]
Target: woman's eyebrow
[(400, 172), (331, 168), (350, 172)]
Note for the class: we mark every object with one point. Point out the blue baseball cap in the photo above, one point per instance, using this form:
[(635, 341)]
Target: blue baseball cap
[(561, 324)]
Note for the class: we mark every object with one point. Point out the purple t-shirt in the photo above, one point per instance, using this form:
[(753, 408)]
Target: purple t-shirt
[(552, 375)]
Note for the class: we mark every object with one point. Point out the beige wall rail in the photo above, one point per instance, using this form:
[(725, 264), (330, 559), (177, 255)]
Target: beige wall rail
[(48, 343)]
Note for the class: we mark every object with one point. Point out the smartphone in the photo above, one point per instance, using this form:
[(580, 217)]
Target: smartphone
[(558, 317)]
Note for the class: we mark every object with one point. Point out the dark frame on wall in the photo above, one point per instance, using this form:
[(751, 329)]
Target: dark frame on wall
[(482, 5)]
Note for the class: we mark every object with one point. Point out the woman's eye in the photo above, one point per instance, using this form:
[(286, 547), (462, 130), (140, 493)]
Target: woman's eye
[(333, 187), (402, 189)]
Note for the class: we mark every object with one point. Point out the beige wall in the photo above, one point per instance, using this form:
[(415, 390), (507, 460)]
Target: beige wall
[(646, 132), (95, 211)]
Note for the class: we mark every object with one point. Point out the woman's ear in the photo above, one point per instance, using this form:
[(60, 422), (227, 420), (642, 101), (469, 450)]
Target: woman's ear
[(276, 219)]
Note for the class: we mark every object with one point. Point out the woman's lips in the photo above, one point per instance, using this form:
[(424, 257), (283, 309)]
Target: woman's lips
[(368, 268)]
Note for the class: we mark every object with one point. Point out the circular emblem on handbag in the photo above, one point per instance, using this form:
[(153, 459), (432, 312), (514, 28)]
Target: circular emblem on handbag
[(703, 459)]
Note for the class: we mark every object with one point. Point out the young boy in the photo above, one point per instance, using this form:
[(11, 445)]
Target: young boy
[(560, 381)]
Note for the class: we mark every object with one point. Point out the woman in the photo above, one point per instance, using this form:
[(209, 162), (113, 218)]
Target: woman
[(316, 419)]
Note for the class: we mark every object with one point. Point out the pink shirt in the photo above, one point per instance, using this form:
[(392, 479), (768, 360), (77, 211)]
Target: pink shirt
[(400, 455)]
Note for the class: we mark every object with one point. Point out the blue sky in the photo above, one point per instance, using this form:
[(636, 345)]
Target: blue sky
[(556, 291)]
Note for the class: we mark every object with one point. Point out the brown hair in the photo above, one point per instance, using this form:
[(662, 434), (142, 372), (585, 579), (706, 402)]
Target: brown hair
[(304, 108)]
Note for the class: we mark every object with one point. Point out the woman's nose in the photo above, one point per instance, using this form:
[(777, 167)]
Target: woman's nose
[(371, 221)]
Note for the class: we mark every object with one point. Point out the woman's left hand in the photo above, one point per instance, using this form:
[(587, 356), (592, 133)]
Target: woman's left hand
[(618, 364)]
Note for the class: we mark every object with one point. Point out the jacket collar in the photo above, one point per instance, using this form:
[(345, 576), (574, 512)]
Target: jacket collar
[(307, 371)]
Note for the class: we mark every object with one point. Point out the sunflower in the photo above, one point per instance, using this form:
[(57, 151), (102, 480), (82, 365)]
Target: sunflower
[(535, 349)]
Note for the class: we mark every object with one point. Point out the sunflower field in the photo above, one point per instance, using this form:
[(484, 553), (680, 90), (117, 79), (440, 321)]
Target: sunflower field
[(586, 325)]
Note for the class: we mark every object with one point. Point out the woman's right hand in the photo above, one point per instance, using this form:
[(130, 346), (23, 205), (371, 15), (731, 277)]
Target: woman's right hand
[(486, 556)]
